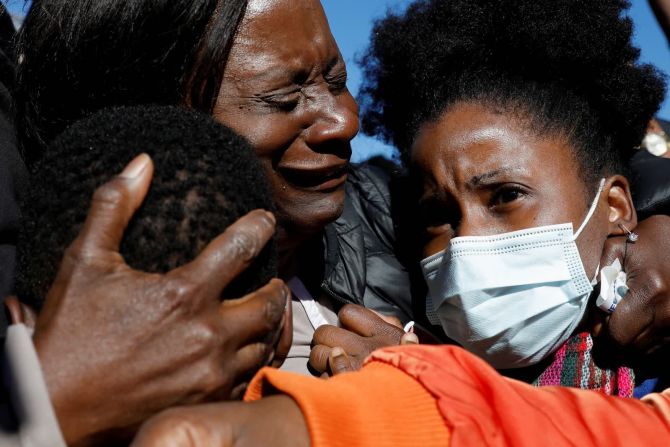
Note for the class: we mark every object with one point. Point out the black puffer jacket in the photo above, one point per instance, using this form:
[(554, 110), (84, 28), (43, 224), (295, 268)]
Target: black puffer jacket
[(362, 265), (13, 175), (650, 181)]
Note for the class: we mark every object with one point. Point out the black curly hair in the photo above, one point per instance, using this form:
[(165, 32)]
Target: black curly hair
[(568, 66), (206, 177)]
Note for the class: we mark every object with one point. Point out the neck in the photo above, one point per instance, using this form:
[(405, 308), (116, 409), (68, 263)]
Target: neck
[(306, 261), (288, 263)]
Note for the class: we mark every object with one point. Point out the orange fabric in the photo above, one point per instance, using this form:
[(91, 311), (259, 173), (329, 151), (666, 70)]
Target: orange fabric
[(380, 406), (481, 407), (394, 401)]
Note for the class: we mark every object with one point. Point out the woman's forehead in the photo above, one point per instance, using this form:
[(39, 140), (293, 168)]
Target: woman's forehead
[(260, 7), (469, 141), (303, 14), (283, 35)]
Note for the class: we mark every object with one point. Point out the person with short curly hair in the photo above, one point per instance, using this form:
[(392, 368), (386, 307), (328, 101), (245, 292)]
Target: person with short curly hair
[(516, 116), (206, 177)]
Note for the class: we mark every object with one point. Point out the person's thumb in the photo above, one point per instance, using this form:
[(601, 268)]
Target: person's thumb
[(113, 205), (614, 249), (339, 361)]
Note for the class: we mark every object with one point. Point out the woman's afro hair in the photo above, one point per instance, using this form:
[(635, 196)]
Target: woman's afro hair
[(205, 178), (567, 65)]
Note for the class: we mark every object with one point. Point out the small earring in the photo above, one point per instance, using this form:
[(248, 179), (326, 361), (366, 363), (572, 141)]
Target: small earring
[(283, 187), (632, 236)]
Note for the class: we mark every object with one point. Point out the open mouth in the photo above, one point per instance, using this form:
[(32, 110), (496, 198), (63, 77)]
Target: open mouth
[(316, 179)]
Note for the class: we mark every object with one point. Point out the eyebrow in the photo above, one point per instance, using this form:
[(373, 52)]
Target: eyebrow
[(485, 178)]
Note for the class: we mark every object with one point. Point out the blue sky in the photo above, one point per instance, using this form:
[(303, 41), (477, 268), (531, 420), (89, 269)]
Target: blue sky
[(351, 23)]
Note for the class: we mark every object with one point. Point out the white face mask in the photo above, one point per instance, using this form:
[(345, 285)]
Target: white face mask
[(513, 298)]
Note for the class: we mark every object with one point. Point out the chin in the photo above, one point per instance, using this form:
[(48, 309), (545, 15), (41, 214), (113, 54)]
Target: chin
[(308, 217)]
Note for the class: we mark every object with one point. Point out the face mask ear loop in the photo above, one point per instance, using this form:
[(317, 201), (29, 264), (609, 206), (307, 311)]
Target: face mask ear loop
[(592, 210)]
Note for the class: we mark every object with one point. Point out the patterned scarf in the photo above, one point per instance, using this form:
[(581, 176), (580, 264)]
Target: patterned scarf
[(573, 366)]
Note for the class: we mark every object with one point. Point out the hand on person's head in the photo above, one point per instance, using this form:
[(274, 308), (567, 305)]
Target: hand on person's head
[(275, 421), (639, 328), (118, 345), (362, 331)]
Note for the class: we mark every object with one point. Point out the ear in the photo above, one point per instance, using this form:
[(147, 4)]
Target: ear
[(20, 312), (621, 209)]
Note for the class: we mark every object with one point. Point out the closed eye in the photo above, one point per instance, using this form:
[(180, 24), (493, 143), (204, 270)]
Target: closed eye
[(337, 83), (282, 102), (335, 75)]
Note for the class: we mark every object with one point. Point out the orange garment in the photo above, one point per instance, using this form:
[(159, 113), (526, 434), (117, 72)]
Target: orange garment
[(442, 395)]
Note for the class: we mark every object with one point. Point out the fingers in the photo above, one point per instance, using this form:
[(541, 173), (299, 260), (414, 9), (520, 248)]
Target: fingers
[(339, 362), (232, 252), (626, 322), (335, 361), (249, 359), (213, 424), (266, 341), (286, 337), (390, 319), (173, 432), (258, 315), (365, 322), (333, 336), (409, 338), (634, 313), (614, 249), (112, 207), (318, 358)]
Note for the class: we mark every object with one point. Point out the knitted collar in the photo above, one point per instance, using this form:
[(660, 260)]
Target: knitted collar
[(573, 366)]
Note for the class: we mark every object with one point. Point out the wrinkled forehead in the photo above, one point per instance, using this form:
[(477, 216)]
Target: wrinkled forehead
[(471, 140), (274, 20), (282, 35)]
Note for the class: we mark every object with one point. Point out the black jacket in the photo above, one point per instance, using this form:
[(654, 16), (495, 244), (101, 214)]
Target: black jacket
[(362, 261), (13, 175), (650, 182)]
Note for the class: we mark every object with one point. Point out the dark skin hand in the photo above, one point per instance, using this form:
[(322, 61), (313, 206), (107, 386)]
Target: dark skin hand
[(273, 421), (362, 331), (638, 331), (118, 345)]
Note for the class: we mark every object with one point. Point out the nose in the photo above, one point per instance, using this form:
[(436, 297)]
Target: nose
[(334, 124)]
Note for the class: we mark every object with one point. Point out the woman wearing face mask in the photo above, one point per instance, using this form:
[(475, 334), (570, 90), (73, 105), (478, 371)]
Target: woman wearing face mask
[(269, 70), (518, 128)]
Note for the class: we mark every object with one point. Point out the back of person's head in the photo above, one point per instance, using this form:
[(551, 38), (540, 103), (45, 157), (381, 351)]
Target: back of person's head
[(206, 177), (78, 56), (567, 67)]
